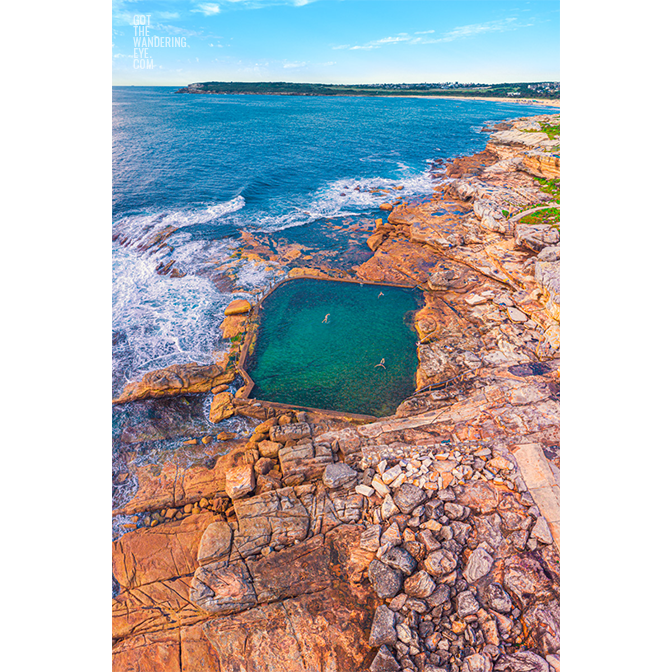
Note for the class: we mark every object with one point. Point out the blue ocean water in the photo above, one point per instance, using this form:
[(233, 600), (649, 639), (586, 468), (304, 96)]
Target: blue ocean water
[(206, 168)]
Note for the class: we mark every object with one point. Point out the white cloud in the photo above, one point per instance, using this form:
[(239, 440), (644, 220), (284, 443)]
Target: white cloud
[(460, 32), (294, 65), (207, 9), (169, 15)]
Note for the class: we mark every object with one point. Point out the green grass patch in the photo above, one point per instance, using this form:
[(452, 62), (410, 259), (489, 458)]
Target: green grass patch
[(550, 187), (551, 131), (545, 216)]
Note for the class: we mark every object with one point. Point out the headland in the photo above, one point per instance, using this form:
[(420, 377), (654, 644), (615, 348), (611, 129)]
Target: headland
[(427, 540)]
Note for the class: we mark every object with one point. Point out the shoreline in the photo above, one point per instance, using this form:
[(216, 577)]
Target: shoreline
[(546, 102), (301, 523)]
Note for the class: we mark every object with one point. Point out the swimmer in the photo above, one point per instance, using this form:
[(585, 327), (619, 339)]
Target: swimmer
[(381, 294), (381, 363), (326, 318)]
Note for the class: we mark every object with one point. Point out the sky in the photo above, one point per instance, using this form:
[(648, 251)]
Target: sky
[(335, 41)]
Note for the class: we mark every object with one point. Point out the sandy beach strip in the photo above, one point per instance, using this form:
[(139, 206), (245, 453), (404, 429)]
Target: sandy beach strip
[(546, 102)]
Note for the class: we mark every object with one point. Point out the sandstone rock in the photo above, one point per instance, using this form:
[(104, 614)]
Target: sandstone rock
[(382, 628), (384, 661), (522, 661), (155, 554), (419, 584), (269, 448), (263, 466), (385, 580), (221, 407), (479, 564), (440, 562), (223, 588), (455, 511), (542, 626), (272, 518), (238, 307), (526, 581), (339, 475), (498, 599), (400, 559), (440, 596), (391, 536), (305, 460), (408, 497), (386, 206), (477, 662), (240, 481), (176, 380), (466, 604), (516, 315), (330, 627), (301, 569), (233, 325), (440, 280), (388, 507), (282, 433), (541, 532), (215, 543), (370, 539)]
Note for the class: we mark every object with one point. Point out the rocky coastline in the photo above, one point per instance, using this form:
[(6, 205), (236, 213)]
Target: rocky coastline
[(429, 541)]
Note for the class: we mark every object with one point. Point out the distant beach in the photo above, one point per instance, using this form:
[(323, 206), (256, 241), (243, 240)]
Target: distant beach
[(521, 101)]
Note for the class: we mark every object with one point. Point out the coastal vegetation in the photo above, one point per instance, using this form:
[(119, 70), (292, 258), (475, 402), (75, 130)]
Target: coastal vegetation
[(546, 216), (513, 90)]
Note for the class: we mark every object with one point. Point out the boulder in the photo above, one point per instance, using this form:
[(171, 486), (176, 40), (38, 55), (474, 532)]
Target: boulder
[(215, 543), (384, 661), (222, 588), (275, 518), (240, 481), (238, 307), (419, 585), (221, 407), (338, 475), (382, 628), (479, 564), (385, 580), (408, 496)]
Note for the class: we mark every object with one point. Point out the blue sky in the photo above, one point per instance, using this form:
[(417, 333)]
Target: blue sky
[(337, 41)]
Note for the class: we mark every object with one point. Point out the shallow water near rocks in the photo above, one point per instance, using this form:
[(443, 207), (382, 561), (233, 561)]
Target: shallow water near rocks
[(319, 342)]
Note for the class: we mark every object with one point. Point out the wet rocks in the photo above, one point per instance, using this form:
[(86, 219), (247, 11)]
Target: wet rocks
[(238, 307), (176, 380)]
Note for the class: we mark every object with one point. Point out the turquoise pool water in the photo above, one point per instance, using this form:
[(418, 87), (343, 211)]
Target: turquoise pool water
[(319, 342)]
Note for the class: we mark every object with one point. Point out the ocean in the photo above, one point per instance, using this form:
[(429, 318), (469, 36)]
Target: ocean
[(194, 174)]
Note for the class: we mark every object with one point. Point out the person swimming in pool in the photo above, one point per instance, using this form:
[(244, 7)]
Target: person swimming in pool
[(381, 294), (326, 318), (381, 363)]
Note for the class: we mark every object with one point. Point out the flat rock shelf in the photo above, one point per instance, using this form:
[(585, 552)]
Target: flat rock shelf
[(341, 346)]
